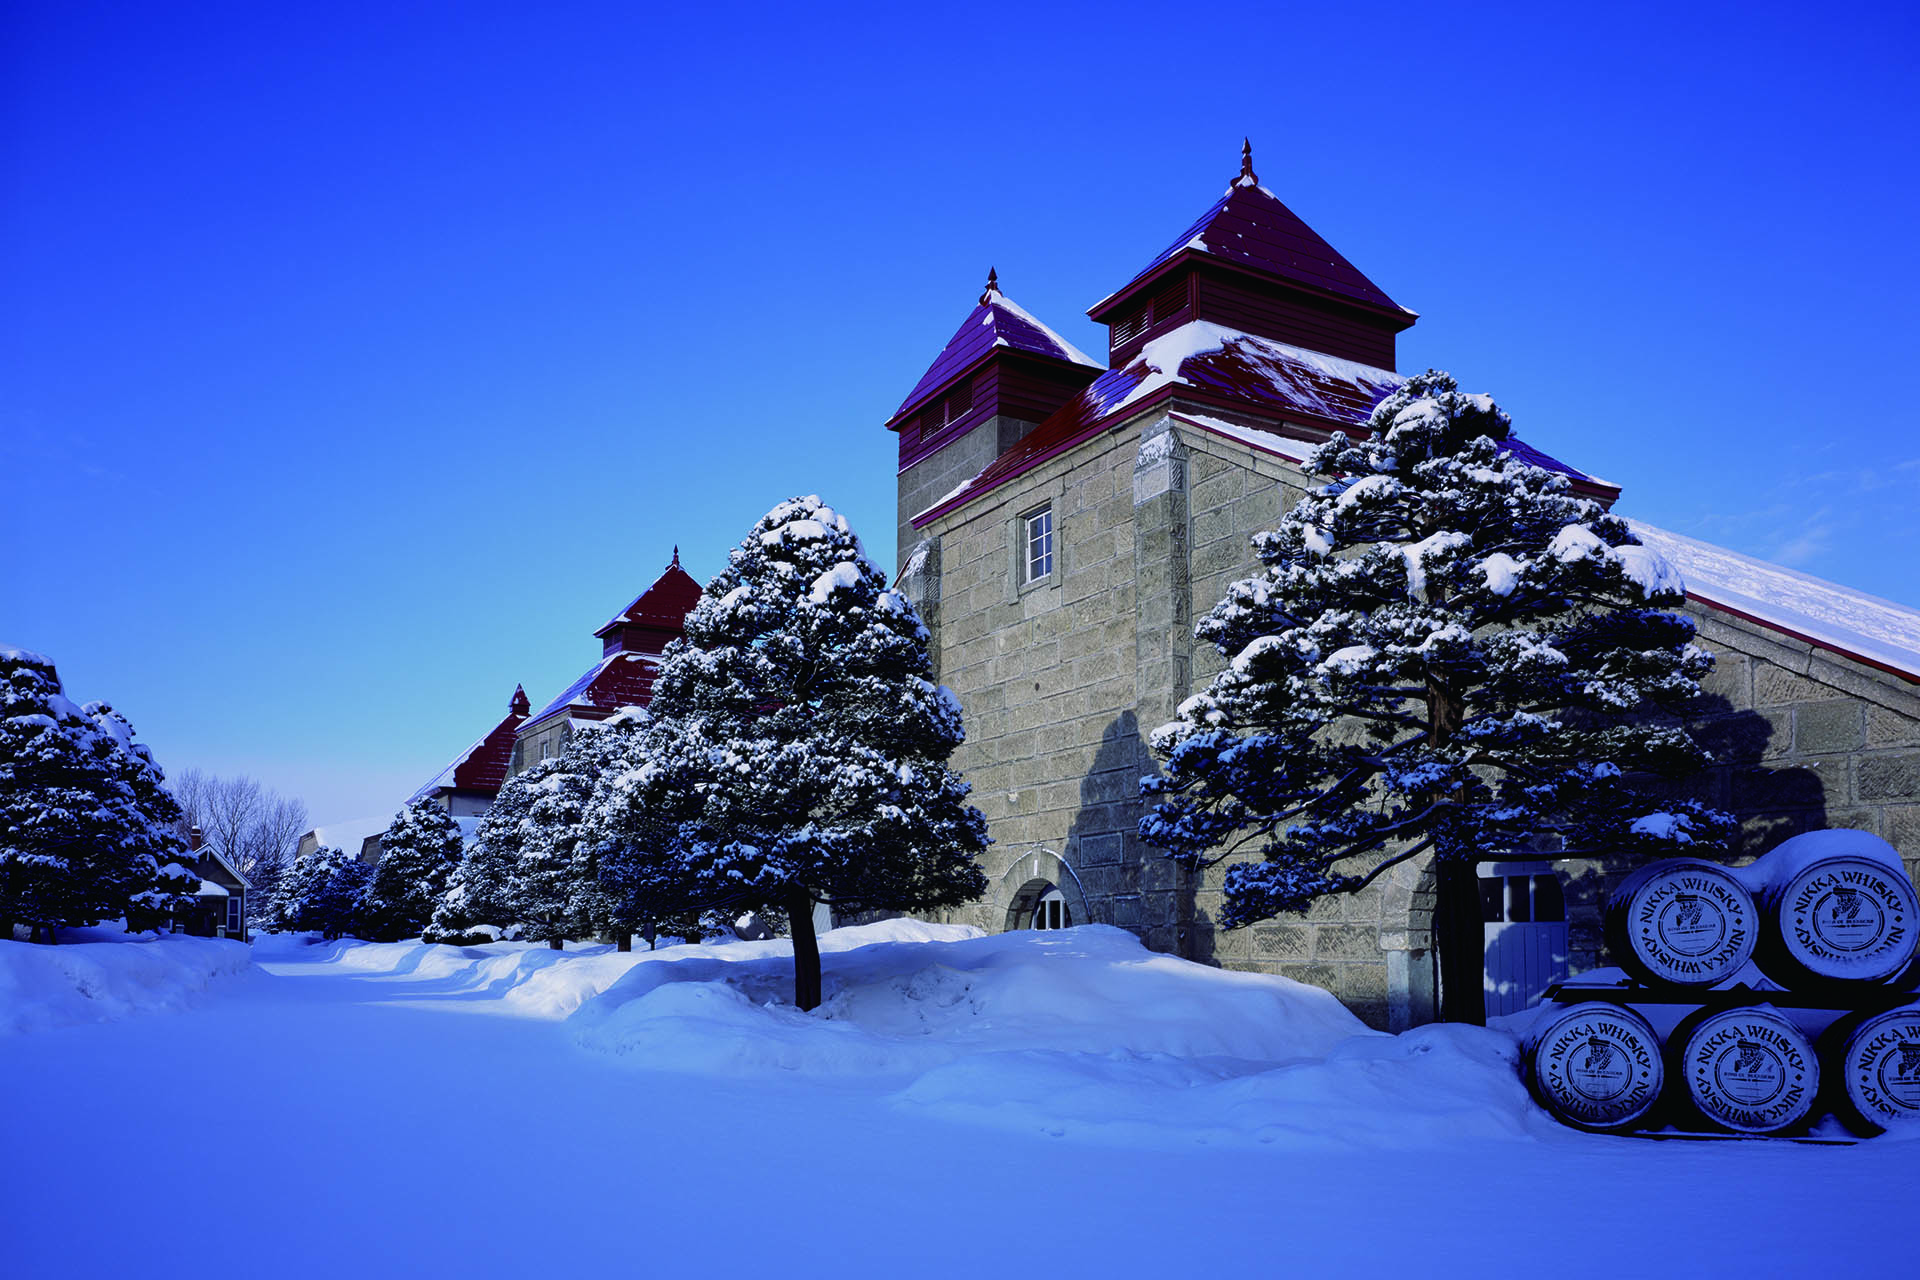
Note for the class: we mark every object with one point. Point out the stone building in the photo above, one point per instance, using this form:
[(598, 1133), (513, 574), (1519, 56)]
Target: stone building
[(1062, 526)]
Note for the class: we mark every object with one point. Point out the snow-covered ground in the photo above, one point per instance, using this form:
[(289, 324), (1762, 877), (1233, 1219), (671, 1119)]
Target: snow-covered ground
[(1050, 1102)]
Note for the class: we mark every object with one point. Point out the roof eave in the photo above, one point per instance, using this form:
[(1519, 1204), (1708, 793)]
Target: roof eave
[(999, 351), (1401, 317)]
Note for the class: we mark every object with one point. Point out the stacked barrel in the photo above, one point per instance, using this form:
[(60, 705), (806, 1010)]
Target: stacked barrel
[(1829, 920)]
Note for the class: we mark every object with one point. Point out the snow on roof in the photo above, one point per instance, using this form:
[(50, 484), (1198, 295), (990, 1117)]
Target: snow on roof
[(1216, 362), (995, 321), (1251, 228), (208, 889), (348, 836), (1822, 613), (445, 777)]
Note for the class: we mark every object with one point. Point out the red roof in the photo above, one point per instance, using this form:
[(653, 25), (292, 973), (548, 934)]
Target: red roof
[(665, 604), (1249, 228), (1236, 371), (482, 766), (635, 638), (995, 323)]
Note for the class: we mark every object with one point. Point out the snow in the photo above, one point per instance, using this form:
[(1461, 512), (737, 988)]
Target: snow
[(13, 653), (1827, 614), (208, 889), (348, 836), (1266, 441), (401, 1106), (1073, 353), (117, 977), (843, 576)]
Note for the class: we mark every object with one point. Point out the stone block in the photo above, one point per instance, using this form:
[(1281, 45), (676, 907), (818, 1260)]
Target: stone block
[(1346, 942), (1286, 942), (1886, 728), (1839, 725), (1902, 828), (1862, 818), (1893, 775), (1775, 686), (1729, 686), (1324, 976)]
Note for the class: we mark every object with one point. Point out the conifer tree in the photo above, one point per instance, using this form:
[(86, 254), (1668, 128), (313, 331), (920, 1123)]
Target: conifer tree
[(85, 828), (338, 905), (298, 887), (480, 889), (1447, 650), (157, 887), (546, 893), (600, 897), (798, 751), (417, 854)]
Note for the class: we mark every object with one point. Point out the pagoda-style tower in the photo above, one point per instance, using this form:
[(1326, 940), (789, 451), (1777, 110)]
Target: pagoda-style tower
[(1001, 374), (1251, 265)]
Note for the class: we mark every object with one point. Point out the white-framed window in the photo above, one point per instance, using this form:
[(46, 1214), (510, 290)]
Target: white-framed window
[(233, 915), (1038, 530)]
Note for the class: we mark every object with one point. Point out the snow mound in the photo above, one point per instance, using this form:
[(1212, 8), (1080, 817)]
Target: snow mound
[(1080, 1031), (43, 987)]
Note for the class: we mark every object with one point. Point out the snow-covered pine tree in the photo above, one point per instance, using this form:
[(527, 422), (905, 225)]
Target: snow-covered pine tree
[(480, 889), (545, 893), (798, 751), (337, 907), (629, 881), (601, 895), (417, 854), (297, 887), (77, 837), (1447, 650), (158, 887)]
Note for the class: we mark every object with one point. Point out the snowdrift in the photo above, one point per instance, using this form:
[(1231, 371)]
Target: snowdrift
[(1081, 1031), (76, 982)]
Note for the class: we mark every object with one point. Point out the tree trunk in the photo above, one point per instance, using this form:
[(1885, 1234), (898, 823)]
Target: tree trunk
[(623, 941), (554, 944), (806, 949), (1461, 937)]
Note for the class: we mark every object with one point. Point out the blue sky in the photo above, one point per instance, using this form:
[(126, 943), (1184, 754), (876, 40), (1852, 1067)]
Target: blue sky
[(359, 360)]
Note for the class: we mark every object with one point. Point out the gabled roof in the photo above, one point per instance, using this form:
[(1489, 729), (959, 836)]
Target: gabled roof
[(1250, 229), (995, 323), (665, 604), (1238, 371), (620, 679), (1821, 613), (482, 766)]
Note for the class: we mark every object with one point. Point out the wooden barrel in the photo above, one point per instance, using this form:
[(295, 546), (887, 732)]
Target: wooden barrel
[(1747, 1069), (1871, 1063), (1841, 920), (1595, 1066), (1681, 922)]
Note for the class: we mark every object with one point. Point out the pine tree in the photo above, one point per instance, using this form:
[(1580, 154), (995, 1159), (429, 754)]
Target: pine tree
[(798, 751), (417, 854), (297, 888), (480, 889), (1447, 650), (83, 821), (156, 886), (338, 905), (545, 893), (626, 880)]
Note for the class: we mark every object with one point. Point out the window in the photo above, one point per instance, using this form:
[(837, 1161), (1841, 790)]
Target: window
[(233, 913), (1039, 558)]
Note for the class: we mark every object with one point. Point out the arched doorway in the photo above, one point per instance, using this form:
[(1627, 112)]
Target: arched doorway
[(1040, 891), (1039, 904)]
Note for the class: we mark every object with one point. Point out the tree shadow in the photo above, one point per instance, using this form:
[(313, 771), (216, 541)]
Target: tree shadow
[(1126, 882)]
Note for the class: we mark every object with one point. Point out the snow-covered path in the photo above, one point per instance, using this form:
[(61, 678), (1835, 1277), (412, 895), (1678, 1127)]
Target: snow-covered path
[(396, 1127)]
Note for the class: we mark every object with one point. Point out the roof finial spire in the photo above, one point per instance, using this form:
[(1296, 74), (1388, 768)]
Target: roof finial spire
[(676, 557), (1247, 178), (993, 287)]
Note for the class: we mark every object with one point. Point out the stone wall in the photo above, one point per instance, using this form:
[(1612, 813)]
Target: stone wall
[(927, 481), (1063, 680)]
